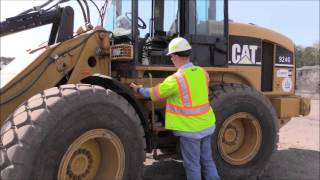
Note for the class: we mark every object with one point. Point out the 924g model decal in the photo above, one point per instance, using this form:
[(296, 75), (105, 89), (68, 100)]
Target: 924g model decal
[(284, 57)]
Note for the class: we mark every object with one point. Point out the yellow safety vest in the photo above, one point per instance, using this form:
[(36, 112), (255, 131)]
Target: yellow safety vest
[(187, 108)]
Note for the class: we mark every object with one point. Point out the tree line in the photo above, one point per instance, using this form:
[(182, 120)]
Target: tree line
[(307, 56)]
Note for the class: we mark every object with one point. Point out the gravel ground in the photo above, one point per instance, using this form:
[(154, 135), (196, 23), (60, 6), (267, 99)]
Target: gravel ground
[(297, 156)]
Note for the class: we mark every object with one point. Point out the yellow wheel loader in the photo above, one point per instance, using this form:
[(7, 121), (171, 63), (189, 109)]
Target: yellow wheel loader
[(68, 112)]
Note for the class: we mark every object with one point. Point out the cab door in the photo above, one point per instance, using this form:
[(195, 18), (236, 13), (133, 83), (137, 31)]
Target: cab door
[(204, 23)]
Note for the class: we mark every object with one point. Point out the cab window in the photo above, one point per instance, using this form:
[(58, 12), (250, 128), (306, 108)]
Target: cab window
[(165, 17), (209, 17), (119, 16)]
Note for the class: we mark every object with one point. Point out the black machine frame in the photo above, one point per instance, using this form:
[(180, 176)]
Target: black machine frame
[(62, 20)]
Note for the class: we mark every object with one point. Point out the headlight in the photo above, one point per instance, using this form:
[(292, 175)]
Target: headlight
[(121, 52)]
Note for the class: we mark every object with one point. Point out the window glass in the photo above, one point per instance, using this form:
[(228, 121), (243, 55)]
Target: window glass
[(144, 12), (201, 16), (166, 17), (170, 16), (118, 17), (209, 17), (220, 10)]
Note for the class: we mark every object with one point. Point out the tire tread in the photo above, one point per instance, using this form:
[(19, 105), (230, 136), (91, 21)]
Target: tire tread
[(23, 120), (220, 92)]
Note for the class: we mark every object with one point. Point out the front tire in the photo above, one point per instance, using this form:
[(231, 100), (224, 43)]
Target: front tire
[(75, 131), (246, 131)]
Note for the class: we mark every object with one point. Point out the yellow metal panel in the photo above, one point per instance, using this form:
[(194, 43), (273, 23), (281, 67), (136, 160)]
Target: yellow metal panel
[(261, 33), (305, 106), (45, 72), (287, 107), (88, 50)]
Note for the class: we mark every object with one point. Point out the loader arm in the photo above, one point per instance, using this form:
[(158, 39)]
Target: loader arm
[(61, 18)]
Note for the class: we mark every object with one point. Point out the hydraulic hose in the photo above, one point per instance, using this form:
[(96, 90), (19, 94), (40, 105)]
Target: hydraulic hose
[(36, 8), (83, 11)]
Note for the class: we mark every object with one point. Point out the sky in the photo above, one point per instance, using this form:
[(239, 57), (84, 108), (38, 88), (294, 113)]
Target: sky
[(297, 19)]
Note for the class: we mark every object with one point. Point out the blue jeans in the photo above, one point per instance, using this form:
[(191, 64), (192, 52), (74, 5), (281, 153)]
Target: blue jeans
[(197, 156)]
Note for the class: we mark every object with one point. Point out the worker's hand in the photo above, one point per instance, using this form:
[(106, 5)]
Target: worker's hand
[(135, 87)]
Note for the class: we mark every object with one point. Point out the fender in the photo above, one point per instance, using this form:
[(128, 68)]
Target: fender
[(108, 82)]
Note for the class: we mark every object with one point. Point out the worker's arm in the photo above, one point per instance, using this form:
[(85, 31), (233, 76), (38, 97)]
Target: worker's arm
[(160, 91), (144, 92), (165, 89)]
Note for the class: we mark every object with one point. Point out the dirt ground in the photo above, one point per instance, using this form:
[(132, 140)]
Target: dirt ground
[(297, 156)]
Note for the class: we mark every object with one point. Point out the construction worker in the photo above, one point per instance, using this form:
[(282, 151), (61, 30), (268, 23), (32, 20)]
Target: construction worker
[(188, 112)]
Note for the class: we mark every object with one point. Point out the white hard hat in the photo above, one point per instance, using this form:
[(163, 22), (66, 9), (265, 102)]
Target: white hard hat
[(178, 44), (123, 22)]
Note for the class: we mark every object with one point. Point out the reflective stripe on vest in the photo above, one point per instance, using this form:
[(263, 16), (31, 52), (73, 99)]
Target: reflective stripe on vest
[(156, 93), (207, 79), (184, 89), (188, 111)]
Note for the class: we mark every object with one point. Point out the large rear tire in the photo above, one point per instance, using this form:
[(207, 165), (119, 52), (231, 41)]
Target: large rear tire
[(246, 131), (73, 132)]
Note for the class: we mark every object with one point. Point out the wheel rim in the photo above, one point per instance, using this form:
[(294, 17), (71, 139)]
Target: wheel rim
[(96, 154), (239, 138)]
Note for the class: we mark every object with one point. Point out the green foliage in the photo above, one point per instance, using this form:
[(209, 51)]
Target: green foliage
[(307, 56)]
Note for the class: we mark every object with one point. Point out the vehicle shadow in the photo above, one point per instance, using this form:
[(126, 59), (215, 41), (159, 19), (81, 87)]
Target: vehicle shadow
[(168, 169), (284, 164)]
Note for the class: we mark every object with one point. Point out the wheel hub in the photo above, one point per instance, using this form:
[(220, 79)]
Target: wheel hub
[(96, 154), (231, 135), (239, 138), (80, 164)]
